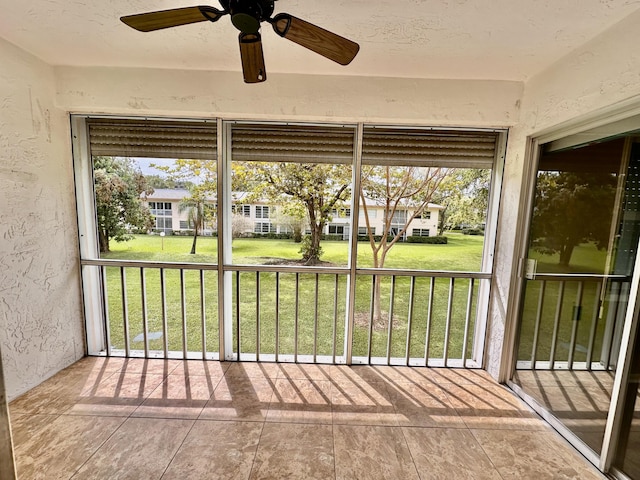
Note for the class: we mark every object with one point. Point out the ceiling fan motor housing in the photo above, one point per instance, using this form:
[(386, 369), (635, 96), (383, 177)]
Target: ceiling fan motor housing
[(246, 15)]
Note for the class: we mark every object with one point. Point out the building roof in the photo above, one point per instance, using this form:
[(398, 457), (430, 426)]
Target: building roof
[(238, 197)]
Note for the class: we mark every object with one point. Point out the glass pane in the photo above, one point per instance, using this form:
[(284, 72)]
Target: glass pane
[(577, 283), (156, 209)]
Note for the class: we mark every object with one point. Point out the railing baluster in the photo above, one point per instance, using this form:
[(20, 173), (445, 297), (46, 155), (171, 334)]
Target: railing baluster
[(335, 316), (238, 316), (145, 323), (203, 316), (427, 339), (594, 324), (163, 299), (556, 326), (315, 322), (574, 326), (183, 311), (410, 319), (105, 308), (125, 311), (467, 324), (390, 328), (372, 306), (447, 330), (617, 302), (536, 329), (295, 326), (277, 314), (258, 316)]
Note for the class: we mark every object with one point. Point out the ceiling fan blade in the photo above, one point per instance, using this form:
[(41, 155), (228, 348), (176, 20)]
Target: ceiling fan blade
[(148, 22), (317, 39), (253, 67)]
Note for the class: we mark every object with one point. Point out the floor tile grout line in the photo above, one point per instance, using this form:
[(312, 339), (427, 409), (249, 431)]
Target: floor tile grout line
[(333, 450), (413, 460), (471, 431), (99, 447), (177, 450), (255, 454)]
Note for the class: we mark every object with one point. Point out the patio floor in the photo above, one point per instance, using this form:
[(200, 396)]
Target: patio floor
[(151, 419)]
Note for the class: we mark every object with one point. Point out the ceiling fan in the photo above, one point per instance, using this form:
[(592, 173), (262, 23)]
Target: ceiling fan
[(246, 16)]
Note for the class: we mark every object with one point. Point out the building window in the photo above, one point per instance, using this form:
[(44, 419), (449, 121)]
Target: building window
[(420, 232), (264, 227), (162, 213), (262, 211), (426, 215), (336, 229), (363, 231)]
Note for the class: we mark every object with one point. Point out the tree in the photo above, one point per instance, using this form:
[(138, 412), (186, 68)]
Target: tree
[(293, 217), (200, 176), (119, 188), (318, 188), (198, 212), (572, 208), (404, 193), (239, 225), (464, 194)]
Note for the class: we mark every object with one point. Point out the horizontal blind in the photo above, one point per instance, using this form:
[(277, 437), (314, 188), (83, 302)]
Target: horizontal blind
[(430, 148), (292, 143), (152, 138)]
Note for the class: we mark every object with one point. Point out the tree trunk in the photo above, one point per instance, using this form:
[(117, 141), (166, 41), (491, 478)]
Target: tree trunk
[(565, 255), (313, 255), (103, 240), (378, 262), (441, 221), (193, 245)]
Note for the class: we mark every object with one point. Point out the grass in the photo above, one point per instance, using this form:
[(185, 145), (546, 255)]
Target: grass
[(586, 258), (462, 253)]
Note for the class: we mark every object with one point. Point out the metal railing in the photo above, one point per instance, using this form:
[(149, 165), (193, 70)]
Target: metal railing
[(554, 309), (291, 313)]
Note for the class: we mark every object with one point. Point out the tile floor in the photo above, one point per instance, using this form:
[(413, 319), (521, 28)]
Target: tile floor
[(154, 419), (581, 400)]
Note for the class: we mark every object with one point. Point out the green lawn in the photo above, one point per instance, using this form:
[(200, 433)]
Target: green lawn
[(586, 258), (462, 253)]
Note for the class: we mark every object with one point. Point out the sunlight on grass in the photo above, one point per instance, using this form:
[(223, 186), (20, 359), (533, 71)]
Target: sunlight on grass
[(463, 253)]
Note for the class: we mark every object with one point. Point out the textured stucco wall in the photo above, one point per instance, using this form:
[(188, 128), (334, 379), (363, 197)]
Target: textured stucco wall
[(589, 82), (289, 97), (41, 329)]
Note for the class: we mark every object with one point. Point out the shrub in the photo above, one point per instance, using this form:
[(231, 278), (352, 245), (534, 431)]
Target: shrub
[(473, 231), (439, 240)]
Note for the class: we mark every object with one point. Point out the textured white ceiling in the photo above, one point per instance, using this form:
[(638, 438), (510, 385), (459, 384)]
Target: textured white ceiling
[(465, 39)]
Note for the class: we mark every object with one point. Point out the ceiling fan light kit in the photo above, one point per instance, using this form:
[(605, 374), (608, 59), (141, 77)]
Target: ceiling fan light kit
[(247, 16)]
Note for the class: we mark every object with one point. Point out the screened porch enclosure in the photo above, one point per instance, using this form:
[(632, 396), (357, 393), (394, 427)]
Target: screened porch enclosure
[(225, 304)]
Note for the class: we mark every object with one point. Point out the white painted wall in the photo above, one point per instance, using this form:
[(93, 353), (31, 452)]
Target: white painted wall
[(590, 82), (289, 97), (41, 328)]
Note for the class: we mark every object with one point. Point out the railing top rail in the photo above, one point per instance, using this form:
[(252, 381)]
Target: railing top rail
[(284, 269), (103, 262), (577, 277)]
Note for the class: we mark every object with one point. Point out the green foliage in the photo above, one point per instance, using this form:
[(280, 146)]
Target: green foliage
[(313, 188), (309, 250), (439, 240), (472, 231), (572, 208), (119, 186), (464, 194)]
